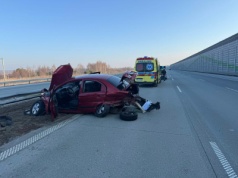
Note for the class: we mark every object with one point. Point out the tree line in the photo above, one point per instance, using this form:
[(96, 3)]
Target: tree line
[(45, 71)]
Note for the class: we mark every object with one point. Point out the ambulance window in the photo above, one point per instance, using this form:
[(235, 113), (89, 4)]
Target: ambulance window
[(149, 67)]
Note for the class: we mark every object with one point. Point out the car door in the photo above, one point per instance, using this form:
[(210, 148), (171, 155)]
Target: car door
[(92, 94), (53, 103)]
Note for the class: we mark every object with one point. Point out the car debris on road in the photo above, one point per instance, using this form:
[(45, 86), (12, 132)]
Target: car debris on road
[(5, 121)]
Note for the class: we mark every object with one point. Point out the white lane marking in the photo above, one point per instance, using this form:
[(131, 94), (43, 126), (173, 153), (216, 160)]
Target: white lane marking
[(24, 144), (226, 165), (179, 89), (232, 89)]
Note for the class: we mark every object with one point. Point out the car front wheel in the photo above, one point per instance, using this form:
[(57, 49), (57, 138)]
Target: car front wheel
[(38, 108)]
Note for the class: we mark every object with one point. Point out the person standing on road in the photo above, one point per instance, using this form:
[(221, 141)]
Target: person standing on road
[(163, 72)]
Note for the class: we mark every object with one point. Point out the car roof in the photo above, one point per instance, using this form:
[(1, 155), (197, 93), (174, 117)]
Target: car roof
[(94, 76)]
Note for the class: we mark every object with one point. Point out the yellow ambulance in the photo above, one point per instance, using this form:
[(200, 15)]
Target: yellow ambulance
[(148, 71)]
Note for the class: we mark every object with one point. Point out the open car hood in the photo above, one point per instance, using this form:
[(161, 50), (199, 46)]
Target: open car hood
[(61, 75)]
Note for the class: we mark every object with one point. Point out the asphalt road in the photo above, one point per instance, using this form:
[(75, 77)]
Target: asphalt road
[(194, 134)]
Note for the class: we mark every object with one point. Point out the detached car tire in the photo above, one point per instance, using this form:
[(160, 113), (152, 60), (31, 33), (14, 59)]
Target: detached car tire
[(38, 108), (128, 114), (102, 110)]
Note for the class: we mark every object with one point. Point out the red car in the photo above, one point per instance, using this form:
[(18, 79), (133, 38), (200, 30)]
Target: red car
[(90, 93)]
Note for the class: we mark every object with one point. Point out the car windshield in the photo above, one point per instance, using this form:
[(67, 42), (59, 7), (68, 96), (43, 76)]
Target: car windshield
[(116, 81)]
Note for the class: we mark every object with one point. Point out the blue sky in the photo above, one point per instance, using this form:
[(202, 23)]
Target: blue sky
[(45, 32)]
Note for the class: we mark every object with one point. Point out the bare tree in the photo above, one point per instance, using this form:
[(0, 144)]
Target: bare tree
[(99, 66), (53, 68), (45, 71), (31, 72), (79, 69), (20, 73), (91, 67)]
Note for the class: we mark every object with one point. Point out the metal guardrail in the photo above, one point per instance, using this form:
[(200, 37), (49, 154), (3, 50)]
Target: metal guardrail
[(19, 97), (10, 83)]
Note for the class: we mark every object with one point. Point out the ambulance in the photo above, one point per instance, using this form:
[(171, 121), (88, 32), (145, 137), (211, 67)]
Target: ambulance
[(148, 71)]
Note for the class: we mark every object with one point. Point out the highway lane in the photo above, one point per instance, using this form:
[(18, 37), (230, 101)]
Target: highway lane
[(20, 89), (229, 82), (188, 137), (211, 102)]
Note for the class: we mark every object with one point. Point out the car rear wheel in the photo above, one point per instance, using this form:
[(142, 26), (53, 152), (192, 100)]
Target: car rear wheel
[(102, 110), (128, 114), (38, 108)]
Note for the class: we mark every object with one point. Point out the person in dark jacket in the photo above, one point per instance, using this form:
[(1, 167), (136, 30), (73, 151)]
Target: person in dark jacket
[(163, 77)]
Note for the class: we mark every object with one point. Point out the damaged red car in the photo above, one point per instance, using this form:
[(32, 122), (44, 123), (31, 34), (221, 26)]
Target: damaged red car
[(90, 93)]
